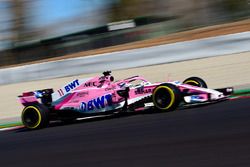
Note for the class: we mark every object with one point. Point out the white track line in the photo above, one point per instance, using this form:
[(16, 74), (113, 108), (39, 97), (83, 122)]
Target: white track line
[(11, 128)]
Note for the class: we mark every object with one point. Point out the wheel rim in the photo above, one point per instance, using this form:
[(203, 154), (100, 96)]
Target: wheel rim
[(163, 97), (193, 83), (31, 117)]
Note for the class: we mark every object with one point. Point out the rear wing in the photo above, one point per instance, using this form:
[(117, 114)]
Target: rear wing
[(34, 97)]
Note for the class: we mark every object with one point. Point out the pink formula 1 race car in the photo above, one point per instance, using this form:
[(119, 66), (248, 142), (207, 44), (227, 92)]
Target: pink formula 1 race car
[(102, 95)]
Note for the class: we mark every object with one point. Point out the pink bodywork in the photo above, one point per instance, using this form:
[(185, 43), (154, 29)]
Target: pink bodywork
[(99, 94), (101, 86)]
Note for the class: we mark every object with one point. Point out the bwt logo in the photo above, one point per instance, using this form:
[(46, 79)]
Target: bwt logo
[(97, 103), (72, 85)]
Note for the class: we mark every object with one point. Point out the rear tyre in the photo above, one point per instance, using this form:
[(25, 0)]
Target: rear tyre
[(166, 97), (35, 116), (195, 81)]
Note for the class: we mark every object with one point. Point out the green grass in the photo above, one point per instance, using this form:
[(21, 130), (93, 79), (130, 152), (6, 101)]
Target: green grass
[(241, 92), (12, 124)]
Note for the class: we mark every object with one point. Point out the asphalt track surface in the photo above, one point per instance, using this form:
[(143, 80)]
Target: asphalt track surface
[(213, 135)]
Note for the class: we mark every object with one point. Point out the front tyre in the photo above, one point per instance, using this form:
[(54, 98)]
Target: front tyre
[(195, 81), (166, 97), (35, 116)]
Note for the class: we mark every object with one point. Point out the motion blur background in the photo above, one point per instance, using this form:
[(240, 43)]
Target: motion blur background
[(38, 29)]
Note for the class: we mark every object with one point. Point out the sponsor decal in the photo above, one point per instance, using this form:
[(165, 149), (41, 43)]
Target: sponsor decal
[(74, 101), (82, 94), (108, 89), (38, 94), (97, 103), (60, 91), (141, 90), (90, 84), (72, 85), (196, 98)]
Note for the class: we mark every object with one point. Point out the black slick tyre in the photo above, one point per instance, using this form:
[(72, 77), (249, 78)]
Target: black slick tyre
[(195, 81), (166, 97), (35, 116)]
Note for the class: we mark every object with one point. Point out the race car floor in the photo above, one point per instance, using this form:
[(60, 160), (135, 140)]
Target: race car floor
[(212, 135)]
